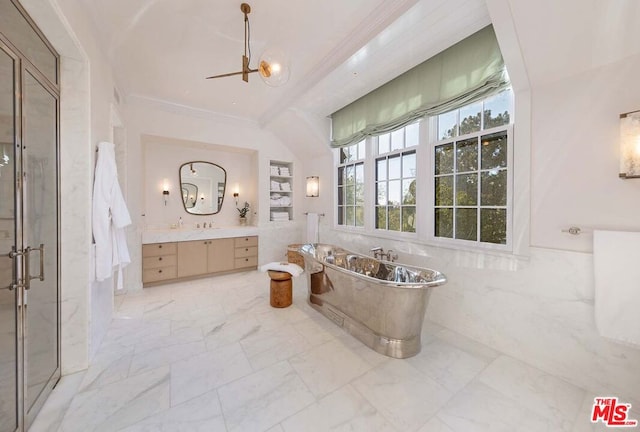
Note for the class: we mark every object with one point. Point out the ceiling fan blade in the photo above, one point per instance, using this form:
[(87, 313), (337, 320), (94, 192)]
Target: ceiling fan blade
[(225, 75)]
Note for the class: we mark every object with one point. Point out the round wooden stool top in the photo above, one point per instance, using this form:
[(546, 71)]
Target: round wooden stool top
[(278, 275)]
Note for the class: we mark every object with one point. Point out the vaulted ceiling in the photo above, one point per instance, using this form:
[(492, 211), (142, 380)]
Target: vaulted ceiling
[(337, 50)]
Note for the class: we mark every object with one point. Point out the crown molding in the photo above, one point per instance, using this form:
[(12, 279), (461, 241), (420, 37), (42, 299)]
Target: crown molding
[(186, 110)]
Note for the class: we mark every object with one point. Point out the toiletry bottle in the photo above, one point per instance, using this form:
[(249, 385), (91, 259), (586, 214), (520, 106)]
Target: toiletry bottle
[(180, 222)]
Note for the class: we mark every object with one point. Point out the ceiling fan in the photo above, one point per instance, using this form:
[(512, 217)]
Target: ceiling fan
[(271, 69)]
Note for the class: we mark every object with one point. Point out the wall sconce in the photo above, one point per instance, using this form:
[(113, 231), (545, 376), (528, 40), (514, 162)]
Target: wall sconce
[(236, 193), (313, 186), (630, 145), (165, 191)]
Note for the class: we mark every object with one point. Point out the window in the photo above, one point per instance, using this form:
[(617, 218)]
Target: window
[(454, 188), (395, 180), (471, 172), (351, 185)]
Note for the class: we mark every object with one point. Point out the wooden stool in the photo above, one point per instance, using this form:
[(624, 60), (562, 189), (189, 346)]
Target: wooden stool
[(281, 292)]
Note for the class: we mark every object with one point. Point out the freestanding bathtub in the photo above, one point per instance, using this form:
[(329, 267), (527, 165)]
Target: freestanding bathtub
[(379, 302)]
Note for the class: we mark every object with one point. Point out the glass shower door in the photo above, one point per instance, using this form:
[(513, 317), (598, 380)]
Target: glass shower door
[(8, 292), (40, 231)]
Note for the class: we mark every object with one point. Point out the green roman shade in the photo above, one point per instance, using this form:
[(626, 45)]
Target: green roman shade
[(466, 72)]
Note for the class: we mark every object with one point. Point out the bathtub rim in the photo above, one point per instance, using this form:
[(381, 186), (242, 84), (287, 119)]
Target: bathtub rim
[(391, 284)]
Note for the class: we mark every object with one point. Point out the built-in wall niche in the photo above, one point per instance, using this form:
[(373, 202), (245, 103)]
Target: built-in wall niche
[(280, 191), (163, 157)]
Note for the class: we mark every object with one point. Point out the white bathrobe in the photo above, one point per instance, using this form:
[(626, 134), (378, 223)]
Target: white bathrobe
[(110, 216)]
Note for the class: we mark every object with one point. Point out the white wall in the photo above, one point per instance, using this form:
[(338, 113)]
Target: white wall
[(575, 155), (162, 160)]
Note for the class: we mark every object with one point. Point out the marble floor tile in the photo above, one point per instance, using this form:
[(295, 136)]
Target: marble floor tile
[(207, 371), (328, 367), (263, 399), (212, 355), (50, 416), (267, 347), (540, 392), (120, 404), (435, 425), (197, 318), (468, 345), (479, 408), (200, 414), (313, 332), (165, 355), (402, 394), (107, 366), (233, 329), (448, 365), (343, 410)]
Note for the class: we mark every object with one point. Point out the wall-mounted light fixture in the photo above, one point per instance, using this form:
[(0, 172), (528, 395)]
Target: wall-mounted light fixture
[(236, 193), (165, 190), (313, 186), (630, 145)]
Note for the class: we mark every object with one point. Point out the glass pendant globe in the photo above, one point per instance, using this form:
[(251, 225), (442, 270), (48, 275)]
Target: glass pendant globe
[(273, 68)]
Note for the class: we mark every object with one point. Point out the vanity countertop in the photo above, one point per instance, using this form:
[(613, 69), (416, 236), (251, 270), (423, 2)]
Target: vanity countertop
[(186, 234)]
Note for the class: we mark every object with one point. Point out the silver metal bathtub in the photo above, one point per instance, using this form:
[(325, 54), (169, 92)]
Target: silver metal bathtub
[(379, 302)]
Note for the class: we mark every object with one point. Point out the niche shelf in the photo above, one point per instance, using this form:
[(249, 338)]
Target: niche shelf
[(280, 191)]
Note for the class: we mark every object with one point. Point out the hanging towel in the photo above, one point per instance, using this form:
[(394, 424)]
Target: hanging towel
[(313, 219), (110, 217), (616, 256)]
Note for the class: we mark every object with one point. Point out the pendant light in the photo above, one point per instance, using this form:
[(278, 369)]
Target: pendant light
[(271, 66)]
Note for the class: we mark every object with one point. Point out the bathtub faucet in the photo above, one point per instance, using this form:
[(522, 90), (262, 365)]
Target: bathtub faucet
[(379, 253)]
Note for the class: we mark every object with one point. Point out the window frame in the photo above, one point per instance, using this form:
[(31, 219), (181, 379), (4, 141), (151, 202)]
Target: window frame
[(344, 165), (425, 200), (462, 243)]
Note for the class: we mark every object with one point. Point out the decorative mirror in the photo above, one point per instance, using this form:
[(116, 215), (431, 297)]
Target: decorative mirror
[(203, 185), (189, 194)]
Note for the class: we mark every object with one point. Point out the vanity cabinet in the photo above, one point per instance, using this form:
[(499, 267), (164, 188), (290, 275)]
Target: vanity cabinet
[(168, 262), (192, 258), (159, 262), (219, 256), (245, 252)]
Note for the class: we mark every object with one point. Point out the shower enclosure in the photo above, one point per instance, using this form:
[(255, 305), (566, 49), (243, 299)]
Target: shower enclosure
[(29, 218)]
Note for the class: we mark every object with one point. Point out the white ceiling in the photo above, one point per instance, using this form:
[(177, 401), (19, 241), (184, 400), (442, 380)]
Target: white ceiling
[(338, 50)]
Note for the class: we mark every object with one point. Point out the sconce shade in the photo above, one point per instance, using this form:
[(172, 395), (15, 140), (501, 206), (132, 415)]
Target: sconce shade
[(313, 186), (165, 190), (630, 145)]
